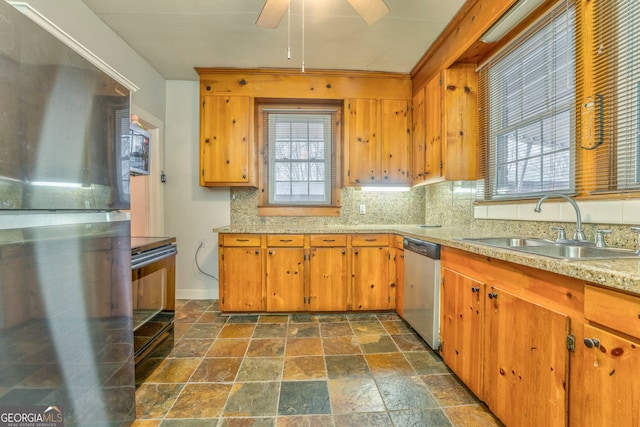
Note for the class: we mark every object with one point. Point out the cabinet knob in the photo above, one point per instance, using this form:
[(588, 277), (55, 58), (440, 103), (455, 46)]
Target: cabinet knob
[(493, 295), (257, 252), (355, 252), (270, 252), (475, 289), (592, 342)]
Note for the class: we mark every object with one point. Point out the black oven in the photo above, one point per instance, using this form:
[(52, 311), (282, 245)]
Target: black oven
[(153, 263)]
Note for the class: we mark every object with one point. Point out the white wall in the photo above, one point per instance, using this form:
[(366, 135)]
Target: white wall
[(78, 21), (191, 211)]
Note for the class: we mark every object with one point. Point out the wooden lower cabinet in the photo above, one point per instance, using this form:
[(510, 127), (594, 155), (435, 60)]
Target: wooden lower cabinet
[(611, 385), (241, 279), (295, 272), (328, 279), (525, 361), (285, 279), (370, 278), (461, 326), (506, 331), (611, 359)]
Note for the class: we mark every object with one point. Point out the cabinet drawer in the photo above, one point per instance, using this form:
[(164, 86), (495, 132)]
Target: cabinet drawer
[(240, 239), (370, 240), (319, 240), (285, 240), (613, 309)]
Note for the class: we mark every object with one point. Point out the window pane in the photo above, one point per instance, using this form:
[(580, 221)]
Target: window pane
[(300, 164), (529, 93)]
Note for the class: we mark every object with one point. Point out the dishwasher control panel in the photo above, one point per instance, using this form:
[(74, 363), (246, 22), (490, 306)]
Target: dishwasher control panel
[(428, 249)]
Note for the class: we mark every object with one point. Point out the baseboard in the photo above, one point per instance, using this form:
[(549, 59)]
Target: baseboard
[(196, 294)]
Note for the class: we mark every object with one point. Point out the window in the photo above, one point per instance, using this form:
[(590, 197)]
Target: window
[(615, 79), (528, 111), (299, 151)]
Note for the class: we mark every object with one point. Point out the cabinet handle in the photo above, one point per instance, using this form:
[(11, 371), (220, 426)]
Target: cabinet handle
[(493, 295), (592, 342), (475, 289), (370, 240), (328, 240), (242, 240), (286, 240)]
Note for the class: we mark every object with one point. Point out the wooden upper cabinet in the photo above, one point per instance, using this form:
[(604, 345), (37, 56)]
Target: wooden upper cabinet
[(433, 130), (460, 122), (378, 151), (227, 152), (362, 151), (451, 126), (418, 138), (395, 136)]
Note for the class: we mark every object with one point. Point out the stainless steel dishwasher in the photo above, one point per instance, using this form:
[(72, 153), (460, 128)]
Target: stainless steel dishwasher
[(422, 289)]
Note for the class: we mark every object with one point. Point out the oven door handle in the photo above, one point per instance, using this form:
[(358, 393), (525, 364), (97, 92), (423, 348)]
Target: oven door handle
[(146, 258)]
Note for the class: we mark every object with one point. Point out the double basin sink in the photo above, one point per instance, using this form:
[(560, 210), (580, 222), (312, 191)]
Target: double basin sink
[(567, 250)]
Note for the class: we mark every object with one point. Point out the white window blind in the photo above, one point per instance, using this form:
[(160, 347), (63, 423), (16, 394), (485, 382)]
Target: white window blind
[(615, 119), (527, 117), (300, 157)]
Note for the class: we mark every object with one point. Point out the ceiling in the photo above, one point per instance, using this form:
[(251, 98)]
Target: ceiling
[(175, 36)]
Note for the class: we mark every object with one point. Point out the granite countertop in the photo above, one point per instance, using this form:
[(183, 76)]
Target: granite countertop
[(622, 274)]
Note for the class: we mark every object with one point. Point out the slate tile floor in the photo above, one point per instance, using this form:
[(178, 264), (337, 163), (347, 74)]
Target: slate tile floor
[(365, 369)]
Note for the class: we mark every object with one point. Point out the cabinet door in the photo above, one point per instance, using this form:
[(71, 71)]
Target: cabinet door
[(418, 138), (526, 361), (362, 167), (433, 129), (461, 327), (328, 279), (285, 279), (225, 146), (399, 270), (460, 118), (395, 138), (370, 278), (611, 386), (241, 279)]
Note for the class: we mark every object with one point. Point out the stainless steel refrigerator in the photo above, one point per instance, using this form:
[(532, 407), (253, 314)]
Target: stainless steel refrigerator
[(66, 336)]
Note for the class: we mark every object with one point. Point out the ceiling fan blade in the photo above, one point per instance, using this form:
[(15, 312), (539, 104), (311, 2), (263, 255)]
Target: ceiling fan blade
[(272, 13), (370, 10)]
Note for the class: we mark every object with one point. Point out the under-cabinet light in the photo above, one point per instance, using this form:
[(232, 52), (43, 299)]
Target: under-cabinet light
[(513, 17), (388, 189)]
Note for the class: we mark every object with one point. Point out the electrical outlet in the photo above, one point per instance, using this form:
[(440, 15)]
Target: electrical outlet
[(202, 243), (363, 209)]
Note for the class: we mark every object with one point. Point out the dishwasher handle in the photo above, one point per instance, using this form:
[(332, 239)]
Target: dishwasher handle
[(428, 249)]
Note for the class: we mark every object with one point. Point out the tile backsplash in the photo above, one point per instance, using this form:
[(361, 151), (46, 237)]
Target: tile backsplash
[(451, 204), (381, 208)]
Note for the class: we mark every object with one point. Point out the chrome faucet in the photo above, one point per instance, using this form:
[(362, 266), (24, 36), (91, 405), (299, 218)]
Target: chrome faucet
[(579, 233)]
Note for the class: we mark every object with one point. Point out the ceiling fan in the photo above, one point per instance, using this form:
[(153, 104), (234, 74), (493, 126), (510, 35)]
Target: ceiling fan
[(273, 10)]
